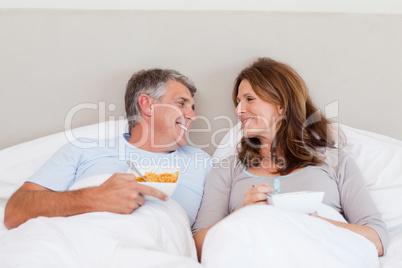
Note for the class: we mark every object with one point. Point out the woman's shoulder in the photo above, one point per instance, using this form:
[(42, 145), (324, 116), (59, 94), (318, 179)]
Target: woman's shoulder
[(336, 159), (231, 162), (334, 156)]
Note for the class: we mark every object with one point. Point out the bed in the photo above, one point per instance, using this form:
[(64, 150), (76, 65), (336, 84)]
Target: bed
[(158, 234), (74, 65)]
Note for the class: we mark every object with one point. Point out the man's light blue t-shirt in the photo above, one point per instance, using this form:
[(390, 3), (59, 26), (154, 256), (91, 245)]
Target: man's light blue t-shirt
[(73, 163)]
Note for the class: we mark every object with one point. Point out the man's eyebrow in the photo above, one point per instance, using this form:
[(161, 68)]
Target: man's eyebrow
[(187, 101)]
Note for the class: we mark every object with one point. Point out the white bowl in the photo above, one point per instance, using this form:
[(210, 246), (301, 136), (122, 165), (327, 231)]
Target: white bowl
[(167, 187), (305, 201)]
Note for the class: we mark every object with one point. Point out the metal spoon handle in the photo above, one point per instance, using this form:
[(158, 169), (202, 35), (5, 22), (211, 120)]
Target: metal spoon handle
[(131, 165)]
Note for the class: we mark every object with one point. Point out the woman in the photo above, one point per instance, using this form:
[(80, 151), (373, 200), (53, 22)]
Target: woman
[(283, 150)]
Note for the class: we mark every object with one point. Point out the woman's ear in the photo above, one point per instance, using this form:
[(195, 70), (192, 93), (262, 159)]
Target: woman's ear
[(280, 109), (146, 105)]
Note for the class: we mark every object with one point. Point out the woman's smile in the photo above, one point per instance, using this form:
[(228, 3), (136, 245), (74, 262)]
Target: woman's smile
[(258, 117)]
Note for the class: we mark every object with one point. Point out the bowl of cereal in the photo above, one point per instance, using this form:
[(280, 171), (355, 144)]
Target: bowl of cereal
[(162, 178)]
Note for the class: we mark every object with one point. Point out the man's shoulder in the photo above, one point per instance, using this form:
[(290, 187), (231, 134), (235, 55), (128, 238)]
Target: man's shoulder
[(89, 147)]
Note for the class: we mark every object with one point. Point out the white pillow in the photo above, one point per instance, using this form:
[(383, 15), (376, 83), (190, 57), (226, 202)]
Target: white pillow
[(229, 142), (379, 158), (19, 162)]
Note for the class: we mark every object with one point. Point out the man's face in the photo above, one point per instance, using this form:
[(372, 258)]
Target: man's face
[(173, 117)]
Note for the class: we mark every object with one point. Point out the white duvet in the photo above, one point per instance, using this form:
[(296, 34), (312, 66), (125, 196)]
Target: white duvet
[(266, 236), (158, 235), (155, 235)]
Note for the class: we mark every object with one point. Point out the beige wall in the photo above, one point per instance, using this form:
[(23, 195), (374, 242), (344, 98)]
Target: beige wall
[(52, 62), (338, 6)]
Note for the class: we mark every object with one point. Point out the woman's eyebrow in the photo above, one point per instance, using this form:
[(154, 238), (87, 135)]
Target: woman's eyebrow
[(244, 95)]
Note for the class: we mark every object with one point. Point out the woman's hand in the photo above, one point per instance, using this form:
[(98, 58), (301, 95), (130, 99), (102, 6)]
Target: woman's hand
[(257, 195), (314, 214)]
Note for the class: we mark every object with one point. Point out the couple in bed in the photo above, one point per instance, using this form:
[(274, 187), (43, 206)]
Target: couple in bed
[(282, 150)]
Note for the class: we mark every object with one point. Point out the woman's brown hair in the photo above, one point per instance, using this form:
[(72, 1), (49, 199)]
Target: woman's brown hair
[(302, 129)]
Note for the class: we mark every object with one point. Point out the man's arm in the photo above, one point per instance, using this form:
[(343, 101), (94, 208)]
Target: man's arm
[(119, 194)]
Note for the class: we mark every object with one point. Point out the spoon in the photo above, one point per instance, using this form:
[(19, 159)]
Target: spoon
[(268, 194), (131, 165)]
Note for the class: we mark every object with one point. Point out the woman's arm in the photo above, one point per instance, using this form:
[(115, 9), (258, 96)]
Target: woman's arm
[(253, 196), (358, 207), (365, 231), (215, 201), (199, 240)]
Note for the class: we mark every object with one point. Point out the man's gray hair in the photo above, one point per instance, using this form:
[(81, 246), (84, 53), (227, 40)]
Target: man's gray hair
[(153, 83)]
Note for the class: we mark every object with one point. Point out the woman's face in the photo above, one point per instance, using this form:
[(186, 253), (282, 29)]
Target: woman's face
[(258, 117)]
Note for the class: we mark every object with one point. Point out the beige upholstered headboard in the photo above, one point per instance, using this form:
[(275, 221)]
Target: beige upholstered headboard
[(60, 65)]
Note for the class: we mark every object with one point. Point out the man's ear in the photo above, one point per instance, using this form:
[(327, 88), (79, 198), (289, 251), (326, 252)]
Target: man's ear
[(146, 105)]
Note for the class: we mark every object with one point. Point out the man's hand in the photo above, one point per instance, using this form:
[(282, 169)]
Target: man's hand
[(122, 194), (119, 194)]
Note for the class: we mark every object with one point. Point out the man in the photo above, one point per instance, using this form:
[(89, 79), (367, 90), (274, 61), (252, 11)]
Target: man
[(160, 111)]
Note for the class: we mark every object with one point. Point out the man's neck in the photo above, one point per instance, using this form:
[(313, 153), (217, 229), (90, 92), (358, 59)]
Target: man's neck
[(141, 137)]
